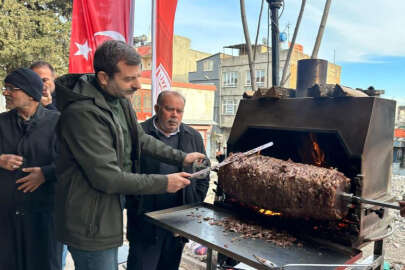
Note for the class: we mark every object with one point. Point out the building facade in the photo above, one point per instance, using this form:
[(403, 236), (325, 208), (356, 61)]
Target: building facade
[(184, 58), (231, 75)]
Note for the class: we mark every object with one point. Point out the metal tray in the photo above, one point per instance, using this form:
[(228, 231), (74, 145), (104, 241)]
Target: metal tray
[(180, 220)]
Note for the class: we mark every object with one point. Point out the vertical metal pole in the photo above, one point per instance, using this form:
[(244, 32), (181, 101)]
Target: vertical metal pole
[(209, 259), (153, 84), (379, 253), (275, 42), (212, 257)]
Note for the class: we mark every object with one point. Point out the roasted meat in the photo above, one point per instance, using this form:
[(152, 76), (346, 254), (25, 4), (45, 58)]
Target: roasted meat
[(294, 189)]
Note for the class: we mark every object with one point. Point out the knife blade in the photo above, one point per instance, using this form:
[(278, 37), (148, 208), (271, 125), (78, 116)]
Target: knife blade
[(226, 162)]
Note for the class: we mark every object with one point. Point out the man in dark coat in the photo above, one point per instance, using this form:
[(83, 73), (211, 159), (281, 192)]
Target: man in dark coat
[(151, 247), (27, 174), (101, 145), (47, 74)]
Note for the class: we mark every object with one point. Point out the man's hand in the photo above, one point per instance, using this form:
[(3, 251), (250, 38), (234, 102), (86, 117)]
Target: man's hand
[(46, 98), (402, 211), (32, 181), (191, 157), (10, 162), (177, 181)]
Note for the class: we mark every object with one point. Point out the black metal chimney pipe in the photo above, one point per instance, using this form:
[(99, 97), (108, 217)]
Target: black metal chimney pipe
[(275, 42)]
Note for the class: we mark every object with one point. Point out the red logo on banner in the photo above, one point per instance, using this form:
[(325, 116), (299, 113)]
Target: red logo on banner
[(163, 79), (93, 22), (163, 21)]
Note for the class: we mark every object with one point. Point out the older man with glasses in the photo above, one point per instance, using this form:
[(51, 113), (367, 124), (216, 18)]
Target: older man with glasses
[(27, 176)]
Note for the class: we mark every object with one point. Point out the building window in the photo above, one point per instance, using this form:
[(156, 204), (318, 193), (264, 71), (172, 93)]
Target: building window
[(208, 65), (230, 79), (259, 77), (247, 82), (228, 106)]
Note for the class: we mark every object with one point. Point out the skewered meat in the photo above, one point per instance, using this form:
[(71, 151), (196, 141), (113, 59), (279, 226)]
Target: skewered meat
[(294, 189)]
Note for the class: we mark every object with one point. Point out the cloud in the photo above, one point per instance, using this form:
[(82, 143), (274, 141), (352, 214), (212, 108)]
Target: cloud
[(360, 30), (356, 30)]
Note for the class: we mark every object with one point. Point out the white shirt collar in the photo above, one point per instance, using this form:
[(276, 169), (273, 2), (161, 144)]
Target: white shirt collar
[(170, 134)]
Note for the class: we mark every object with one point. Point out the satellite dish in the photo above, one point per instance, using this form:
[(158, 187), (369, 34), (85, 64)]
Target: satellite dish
[(283, 36)]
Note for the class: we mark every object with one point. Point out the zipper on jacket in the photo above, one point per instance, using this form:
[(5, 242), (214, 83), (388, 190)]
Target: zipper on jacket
[(92, 227)]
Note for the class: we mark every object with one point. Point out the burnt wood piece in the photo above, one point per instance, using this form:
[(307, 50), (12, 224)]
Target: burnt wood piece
[(334, 90), (294, 189), (274, 92), (372, 92)]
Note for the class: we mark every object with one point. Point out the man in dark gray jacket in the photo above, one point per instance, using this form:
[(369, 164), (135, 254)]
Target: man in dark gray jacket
[(151, 247), (101, 148)]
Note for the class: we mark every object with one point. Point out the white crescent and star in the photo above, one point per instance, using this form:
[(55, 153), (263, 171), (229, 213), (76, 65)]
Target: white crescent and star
[(112, 34), (84, 49)]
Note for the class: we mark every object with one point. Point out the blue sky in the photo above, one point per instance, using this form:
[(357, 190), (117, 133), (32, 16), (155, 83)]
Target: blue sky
[(365, 37)]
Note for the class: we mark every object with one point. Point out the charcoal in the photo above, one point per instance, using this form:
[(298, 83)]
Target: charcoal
[(294, 189)]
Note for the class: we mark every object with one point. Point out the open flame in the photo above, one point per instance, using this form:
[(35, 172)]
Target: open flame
[(269, 212), (318, 156)]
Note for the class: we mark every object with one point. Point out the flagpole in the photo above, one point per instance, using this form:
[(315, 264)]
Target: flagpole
[(131, 24), (153, 74)]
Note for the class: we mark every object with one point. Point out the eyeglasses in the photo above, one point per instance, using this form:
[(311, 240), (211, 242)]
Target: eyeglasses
[(9, 89)]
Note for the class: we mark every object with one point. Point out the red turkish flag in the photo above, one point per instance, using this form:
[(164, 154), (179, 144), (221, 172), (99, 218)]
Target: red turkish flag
[(93, 22), (162, 46)]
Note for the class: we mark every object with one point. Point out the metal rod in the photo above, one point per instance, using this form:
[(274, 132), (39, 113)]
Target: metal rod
[(353, 198), (275, 42), (225, 162), (379, 252), (209, 259), (274, 266)]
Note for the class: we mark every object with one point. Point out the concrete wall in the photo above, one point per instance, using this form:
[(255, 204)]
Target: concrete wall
[(184, 58), (199, 113), (209, 77), (199, 105)]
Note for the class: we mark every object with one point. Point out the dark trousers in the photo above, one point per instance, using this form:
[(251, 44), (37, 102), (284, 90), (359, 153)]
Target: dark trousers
[(28, 242), (164, 254), (95, 260)]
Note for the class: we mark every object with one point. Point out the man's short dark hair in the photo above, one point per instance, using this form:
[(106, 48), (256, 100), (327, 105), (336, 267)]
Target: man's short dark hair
[(110, 53), (41, 64)]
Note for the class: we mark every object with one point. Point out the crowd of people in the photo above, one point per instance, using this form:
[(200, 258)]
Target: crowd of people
[(73, 156)]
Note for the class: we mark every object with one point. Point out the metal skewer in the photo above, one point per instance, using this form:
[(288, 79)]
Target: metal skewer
[(356, 199), (226, 162)]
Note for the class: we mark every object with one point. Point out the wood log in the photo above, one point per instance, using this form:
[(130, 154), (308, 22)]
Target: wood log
[(294, 189)]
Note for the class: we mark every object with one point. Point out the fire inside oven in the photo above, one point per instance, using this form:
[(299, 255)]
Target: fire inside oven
[(330, 136), (315, 148)]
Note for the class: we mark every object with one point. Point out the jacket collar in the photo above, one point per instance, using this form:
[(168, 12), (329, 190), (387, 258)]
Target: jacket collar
[(150, 129), (75, 87)]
